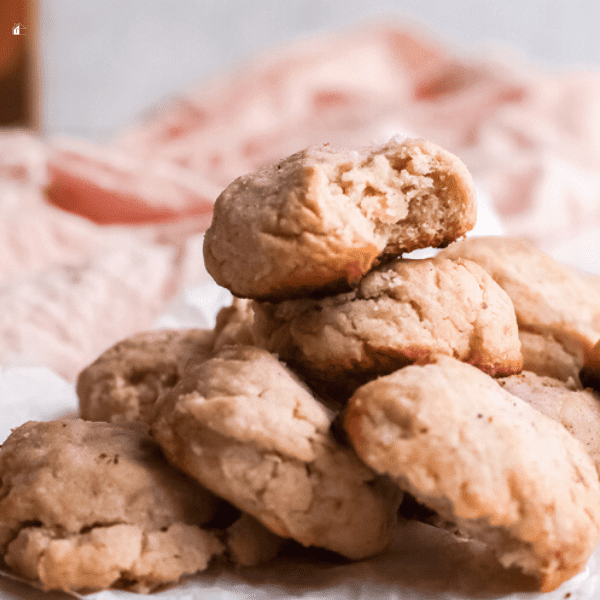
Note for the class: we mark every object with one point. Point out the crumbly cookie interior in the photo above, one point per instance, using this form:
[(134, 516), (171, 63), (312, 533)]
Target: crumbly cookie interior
[(407, 193)]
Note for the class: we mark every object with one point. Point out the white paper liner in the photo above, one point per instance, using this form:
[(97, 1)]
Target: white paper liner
[(422, 563)]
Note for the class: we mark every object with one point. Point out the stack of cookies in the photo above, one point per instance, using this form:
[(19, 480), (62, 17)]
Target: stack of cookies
[(342, 381)]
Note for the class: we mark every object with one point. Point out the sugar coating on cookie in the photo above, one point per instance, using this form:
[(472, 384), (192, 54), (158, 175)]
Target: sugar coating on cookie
[(87, 505), (123, 383), (578, 410), (246, 428), (554, 303), (321, 218), (401, 312), (482, 458)]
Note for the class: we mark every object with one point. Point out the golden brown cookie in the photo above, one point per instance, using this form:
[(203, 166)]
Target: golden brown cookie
[(482, 458), (245, 427), (401, 312), (557, 307), (321, 218), (123, 383), (88, 505), (578, 410)]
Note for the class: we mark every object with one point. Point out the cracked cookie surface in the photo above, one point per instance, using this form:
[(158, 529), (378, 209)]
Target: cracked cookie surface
[(557, 308), (88, 505), (123, 383), (400, 313), (482, 458), (246, 428), (321, 218)]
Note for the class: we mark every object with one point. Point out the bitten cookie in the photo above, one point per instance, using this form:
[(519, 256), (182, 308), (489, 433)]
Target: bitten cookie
[(246, 428), (480, 457), (123, 383), (401, 312), (558, 309), (321, 218), (85, 506), (578, 410)]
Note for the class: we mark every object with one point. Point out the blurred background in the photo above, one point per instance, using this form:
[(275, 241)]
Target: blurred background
[(89, 68)]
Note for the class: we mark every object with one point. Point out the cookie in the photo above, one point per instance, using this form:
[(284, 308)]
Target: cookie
[(249, 543), (480, 457), (246, 428), (86, 506), (401, 312), (578, 410), (546, 355), (555, 303), (320, 219), (123, 383), (234, 324)]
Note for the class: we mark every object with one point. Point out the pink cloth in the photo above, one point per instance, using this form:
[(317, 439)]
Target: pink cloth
[(108, 186), (530, 138), (65, 316), (69, 288)]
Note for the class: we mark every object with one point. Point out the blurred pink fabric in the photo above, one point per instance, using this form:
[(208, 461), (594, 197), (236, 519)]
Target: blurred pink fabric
[(530, 137)]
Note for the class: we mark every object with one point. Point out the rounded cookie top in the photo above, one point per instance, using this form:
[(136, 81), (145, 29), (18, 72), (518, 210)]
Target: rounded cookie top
[(484, 459), (246, 428), (84, 505), (123, 383), (550, 299), (401, 312), (321, 218)]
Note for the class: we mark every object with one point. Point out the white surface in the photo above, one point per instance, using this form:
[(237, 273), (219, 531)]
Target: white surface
[(103, 63), (33, 394), (581, 251)]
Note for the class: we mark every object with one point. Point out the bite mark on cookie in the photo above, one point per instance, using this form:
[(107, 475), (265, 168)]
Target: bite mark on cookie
[(317, 221)]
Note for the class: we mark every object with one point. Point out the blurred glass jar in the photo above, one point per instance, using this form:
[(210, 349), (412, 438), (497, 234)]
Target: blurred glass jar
[(19, 88)]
